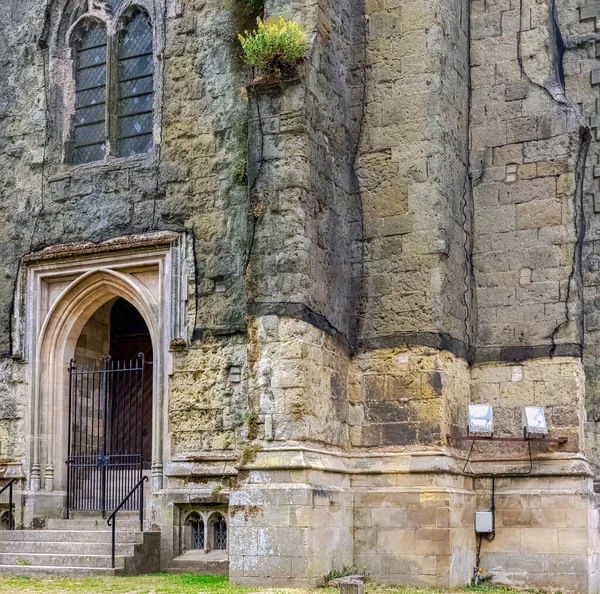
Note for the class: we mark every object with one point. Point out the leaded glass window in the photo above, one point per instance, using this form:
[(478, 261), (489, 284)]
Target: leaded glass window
[(197, 533), (136, 86), (114, 87), (220, 533), (89, 135)]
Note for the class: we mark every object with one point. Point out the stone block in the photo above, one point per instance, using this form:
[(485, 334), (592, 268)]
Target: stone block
[(510, 153), (398, 433), (489, 135), (433, 541), (538, 214), (290, 542), (497, 296), (542, 540), (565, 564), (517, 91), (386, 498), (387, 411), (507, 540), (267, 566), (522, 129), (352, 587), (532, 518), (576, 518), (495, 219), (513, 562), (539, 189), (573, 541), (547, 149)]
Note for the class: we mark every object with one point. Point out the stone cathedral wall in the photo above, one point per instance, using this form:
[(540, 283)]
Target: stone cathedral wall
[(416, 233)]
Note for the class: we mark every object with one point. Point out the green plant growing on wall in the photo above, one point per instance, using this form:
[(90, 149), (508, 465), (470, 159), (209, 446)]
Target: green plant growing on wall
[(252, 421), (276, 48), (239, 171), (249, 454)]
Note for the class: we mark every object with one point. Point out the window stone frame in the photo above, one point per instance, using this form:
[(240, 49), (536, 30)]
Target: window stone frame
[(63, 20), (207, 515)]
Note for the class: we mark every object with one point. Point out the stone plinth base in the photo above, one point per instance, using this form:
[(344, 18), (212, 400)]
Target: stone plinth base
[(408, 518), (546, 533)]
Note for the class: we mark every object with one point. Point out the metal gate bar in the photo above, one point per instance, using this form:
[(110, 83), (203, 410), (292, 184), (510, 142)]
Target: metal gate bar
[(105, 447)]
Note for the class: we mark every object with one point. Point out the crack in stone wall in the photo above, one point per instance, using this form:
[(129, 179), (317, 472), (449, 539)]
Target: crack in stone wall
[(583, 79), (525, 141)]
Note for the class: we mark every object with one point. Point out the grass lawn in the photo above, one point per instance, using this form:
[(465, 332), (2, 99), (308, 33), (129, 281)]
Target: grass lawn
[(185, 584)]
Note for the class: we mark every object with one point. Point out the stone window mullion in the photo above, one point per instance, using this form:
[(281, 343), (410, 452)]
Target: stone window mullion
[(206, 518), (112, 99)]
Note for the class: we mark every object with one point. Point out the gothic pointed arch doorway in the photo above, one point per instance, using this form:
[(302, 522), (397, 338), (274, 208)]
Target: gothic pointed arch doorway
[(62, 290), (110, 409)]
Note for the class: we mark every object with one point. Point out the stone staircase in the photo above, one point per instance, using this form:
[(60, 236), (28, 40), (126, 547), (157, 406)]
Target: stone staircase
[(79, 548)]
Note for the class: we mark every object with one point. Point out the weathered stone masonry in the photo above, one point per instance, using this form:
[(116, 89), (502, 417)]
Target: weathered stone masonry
[(418, 232)]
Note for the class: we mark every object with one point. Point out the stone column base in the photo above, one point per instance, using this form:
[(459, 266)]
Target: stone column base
[(288, 534), (409, 518)]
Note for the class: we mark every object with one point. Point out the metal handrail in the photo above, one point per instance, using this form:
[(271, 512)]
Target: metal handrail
[(113, 516), (9, 486)]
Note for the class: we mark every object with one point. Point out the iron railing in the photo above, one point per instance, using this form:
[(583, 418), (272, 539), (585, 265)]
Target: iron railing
[(111, 521), (9, 486)]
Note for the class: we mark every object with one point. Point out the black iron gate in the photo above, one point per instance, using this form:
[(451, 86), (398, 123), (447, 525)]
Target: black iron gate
[(106, 434)]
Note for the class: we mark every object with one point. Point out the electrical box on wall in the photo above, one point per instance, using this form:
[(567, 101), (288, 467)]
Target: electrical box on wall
[(484, 521)]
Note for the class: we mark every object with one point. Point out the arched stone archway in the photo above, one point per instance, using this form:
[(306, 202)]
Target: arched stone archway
[(60, 297), (58, 339)]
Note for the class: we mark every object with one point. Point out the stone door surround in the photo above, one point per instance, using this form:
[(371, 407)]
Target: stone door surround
[(61, 288)]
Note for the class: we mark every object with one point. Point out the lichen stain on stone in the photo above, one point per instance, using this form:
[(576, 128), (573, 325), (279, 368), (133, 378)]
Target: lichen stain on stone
[(435, 381), (253, 346), (38, 523), (67, 250), (249, 511), (320, 492)]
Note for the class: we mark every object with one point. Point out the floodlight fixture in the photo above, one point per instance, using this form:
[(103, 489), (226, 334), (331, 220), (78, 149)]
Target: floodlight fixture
[(481, 419), (534, 421)]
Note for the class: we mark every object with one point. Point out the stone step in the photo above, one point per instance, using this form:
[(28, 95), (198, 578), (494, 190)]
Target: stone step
[(65, 548), (94, 515), (95, 524), (50, 559), (219, 568), (83, 536), (55, 571), (77, 553), (212, 563)]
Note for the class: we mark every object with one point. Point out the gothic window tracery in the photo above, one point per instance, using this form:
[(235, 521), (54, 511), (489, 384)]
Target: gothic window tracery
[(114, 4), (114, 85), (205, 530)]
